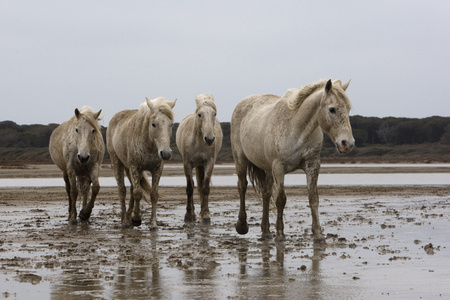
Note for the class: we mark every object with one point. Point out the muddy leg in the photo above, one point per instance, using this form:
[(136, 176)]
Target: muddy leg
[(203, 179), (85, 213), (122, 190), (73, 199), (134, 209), (241, 170), (154, 195), (312, 174), (67, 183), (280, 202), (266, 195), (85, 184), (190, 209)]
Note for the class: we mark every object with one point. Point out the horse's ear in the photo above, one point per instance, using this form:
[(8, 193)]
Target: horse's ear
[(150, 104), (328, 86), (77, 113), (172, 103), (345, 85), (97, 115)]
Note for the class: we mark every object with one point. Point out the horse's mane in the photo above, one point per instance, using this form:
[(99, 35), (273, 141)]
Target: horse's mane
[(206, 99), (160, 104), (89, 113), (295, 97)]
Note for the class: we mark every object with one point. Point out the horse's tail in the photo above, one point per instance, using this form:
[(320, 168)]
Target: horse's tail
[(145, 185), (257, 177)]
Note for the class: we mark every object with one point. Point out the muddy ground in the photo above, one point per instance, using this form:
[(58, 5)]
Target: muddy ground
[(382, 242)]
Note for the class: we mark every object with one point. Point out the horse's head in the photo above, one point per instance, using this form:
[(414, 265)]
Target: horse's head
[(87, 131), (206, 117), (334, 115), (161, 123)]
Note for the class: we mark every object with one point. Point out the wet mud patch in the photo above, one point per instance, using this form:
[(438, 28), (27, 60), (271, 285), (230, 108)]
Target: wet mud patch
[(385, 244)]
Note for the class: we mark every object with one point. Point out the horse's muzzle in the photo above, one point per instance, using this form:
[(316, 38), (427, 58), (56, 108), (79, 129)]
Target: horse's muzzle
[(209, 140), (83, 158), (345, 146), (165, 154)]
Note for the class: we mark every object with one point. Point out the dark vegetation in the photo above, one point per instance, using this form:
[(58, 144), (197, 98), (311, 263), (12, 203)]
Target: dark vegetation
[(377, 140)]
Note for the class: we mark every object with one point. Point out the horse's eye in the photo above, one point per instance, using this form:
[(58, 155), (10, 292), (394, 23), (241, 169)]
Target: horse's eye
[(332, 110), (215, 114), (76, 129), (93, 130), (154, 125), (199, 115)]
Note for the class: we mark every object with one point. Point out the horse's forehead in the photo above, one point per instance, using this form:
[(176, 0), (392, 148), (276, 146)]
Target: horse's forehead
[(161, 114), (83, 121), (339, 100)]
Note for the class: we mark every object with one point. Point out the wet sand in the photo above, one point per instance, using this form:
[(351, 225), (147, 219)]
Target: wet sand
[(382, 242)]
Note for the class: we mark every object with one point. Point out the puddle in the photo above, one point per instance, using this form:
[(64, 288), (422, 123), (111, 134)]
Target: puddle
[(377, 247)]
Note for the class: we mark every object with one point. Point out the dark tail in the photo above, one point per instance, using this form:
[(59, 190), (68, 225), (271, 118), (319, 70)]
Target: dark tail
[(257, 177)]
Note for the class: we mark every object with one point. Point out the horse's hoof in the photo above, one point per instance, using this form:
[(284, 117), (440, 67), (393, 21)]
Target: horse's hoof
[(319, 240), (241, 227), (84, 215), (125, 226), (73, 222), (189, 218), (206, 221), (280, 239), (136, 222), (266, 236)]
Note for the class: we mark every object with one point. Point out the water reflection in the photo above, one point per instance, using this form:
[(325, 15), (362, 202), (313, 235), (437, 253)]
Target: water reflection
[(140, 278)]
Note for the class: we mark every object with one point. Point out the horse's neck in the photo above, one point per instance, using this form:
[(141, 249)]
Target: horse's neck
[(142, 127), (306, 117)]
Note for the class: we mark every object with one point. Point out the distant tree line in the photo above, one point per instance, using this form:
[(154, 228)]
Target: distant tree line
[(367, 131)]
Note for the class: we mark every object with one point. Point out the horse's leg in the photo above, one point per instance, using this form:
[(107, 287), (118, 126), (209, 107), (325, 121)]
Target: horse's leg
[(190, 210), (156, 175), (204, 178), (134, 209), (266, 196), (85, 184), (67, 184), (241, 171), (312, 175), (85, 213), (73, 198), (280, 201), (119, 170)]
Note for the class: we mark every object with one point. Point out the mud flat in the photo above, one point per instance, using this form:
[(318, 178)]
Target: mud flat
[(382, 242)]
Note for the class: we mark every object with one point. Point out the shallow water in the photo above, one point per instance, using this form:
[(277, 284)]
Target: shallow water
[(290, 180), (376, 248)]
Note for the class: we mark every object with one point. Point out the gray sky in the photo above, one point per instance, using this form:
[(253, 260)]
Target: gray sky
[(59, 55)]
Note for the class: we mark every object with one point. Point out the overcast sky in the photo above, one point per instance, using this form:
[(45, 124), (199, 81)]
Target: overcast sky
[(59, 55)]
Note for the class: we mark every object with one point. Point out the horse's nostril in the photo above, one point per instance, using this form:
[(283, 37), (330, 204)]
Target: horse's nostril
[(83, 158), (165, 155), (209, 140)]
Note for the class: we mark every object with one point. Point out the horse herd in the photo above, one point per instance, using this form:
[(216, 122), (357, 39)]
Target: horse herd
[(270, 136)]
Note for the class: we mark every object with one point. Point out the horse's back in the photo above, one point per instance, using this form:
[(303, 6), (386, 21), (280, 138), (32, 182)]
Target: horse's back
[(184, 131), (59, 139), (253, 104), (118, 128)]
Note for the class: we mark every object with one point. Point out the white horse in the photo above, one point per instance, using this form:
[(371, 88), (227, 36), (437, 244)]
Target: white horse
[(272, 136), (199, 139), (77, 148), (138, 141)]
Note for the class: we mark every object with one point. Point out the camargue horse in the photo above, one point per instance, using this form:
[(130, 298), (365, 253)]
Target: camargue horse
[(77, 148), (199, 139), (272, 136), (138, 141)]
